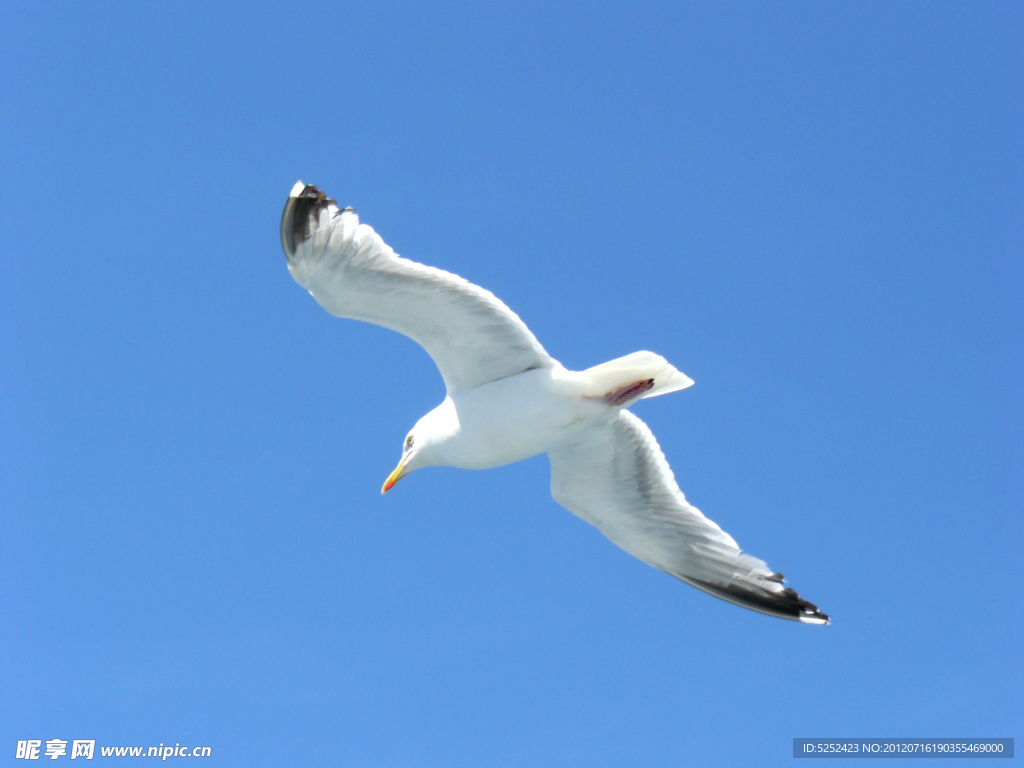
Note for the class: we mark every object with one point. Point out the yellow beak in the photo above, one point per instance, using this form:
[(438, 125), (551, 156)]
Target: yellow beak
[(394, 477)]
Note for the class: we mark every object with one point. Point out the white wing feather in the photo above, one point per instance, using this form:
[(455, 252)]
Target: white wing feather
[(471, 335), (615, 477)]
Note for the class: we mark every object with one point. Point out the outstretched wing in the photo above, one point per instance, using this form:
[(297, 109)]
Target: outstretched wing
[(616, 478), (471, 335)]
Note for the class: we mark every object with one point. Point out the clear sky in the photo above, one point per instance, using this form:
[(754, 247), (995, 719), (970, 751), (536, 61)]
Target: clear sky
[(814, 210)]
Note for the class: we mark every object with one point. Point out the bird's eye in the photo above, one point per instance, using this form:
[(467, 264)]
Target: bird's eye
[(408, 442)]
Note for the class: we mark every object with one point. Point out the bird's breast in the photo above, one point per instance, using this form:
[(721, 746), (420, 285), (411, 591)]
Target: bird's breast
[(518, 417)]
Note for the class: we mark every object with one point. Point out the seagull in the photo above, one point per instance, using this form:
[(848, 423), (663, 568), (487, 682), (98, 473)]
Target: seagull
[(508, 399)]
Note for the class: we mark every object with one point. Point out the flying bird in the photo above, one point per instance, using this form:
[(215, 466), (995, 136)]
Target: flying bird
[(508, 399)]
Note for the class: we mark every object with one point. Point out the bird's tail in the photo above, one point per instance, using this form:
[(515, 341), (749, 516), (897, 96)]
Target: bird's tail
[(633, 377)]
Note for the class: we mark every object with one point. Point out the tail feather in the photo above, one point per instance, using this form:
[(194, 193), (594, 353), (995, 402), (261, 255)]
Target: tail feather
[(630, 374)]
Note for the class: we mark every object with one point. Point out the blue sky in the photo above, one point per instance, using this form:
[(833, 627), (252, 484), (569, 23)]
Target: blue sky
[(814, 210)]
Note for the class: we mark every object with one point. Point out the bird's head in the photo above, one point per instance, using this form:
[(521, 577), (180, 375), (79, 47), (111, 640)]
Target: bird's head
[(422, 446)]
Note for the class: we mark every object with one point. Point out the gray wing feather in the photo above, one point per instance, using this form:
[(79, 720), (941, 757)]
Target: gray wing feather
[(471, 335), (615, 477)]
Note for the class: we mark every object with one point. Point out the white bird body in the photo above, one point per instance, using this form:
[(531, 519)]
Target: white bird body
[(529, 413), (509, 400), (517, 417)]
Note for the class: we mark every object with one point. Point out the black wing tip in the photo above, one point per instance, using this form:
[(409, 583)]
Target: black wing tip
[(304, 191), (301, 212), (784, 604), (808, 611)]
